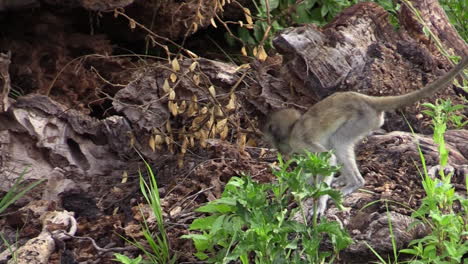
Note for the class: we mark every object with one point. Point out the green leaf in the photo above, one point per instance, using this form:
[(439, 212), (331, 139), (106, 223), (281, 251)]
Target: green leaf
[(273, 4), (324, 10), (126, 260), (218, 223), (202, 242), (203, 223), (222, 205), (426, 31), (302, 16), (201, 255), (429, 105), (244, 35), (308, 4), (410, 251), (456, 108), (258, 30)]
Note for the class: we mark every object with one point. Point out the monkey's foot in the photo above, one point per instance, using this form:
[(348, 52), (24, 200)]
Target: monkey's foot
[(339, 181), (299, 216), (457, 171), (350, 188), (308, 207)]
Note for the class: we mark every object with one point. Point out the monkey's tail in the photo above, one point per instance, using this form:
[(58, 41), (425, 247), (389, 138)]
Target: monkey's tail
[(388, 103)]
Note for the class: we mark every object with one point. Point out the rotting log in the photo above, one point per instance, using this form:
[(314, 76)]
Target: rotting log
[(437, 21)]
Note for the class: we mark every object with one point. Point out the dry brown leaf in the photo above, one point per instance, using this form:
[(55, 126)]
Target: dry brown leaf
[(184, 145), (220, 125), (193, 66), (175, 65), (152, 143), (223, 135), (166, 87), (218, 112), (232, 103), (212, 91), (168, 127), (132, 24), (172, 94), (203, 138), (261, 55), (241, 140), (244, 51), (173, 108), (124, 177), (158, 141), (182, 107), (196, 79), (180, 162), (213, 23), (248, 16), (173, 77)]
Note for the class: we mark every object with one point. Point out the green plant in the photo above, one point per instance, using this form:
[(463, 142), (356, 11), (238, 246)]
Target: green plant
[(10, 247), (17, 191), (14, 193), (444, 112), (126, 260), (159, 249), (253, 222), (457, 12), (447, 242)]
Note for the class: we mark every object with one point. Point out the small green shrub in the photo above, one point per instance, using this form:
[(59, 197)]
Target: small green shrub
[(252, 222), (157, 250), (17, 191), (443, 112), (447, 242), (126, 260), (457, 12)]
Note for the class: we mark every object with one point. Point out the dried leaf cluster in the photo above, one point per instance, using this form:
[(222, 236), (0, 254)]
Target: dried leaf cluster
[(208, 113)]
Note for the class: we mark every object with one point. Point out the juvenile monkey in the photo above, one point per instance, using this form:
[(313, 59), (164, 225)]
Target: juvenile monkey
[(338, 122)]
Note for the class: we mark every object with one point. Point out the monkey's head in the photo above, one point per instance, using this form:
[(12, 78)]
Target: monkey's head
[(278, 128)]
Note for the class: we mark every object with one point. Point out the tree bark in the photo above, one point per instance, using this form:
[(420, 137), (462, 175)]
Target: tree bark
[(435, 18)]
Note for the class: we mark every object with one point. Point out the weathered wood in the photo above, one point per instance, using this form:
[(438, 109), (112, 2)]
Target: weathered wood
[(39, 134), (5, 82), (435, 18)]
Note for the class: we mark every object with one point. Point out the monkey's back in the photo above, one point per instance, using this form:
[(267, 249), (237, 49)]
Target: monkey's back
[(328, 116)]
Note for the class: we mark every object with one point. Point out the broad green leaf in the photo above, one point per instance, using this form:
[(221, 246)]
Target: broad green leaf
[(203, 223), (222, 205), (324, 10), (201, 255)]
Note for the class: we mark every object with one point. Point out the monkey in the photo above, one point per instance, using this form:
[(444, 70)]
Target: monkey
[(338, 122)]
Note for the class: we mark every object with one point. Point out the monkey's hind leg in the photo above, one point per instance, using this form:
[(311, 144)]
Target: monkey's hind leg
[(349, 173), (323, 200)]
